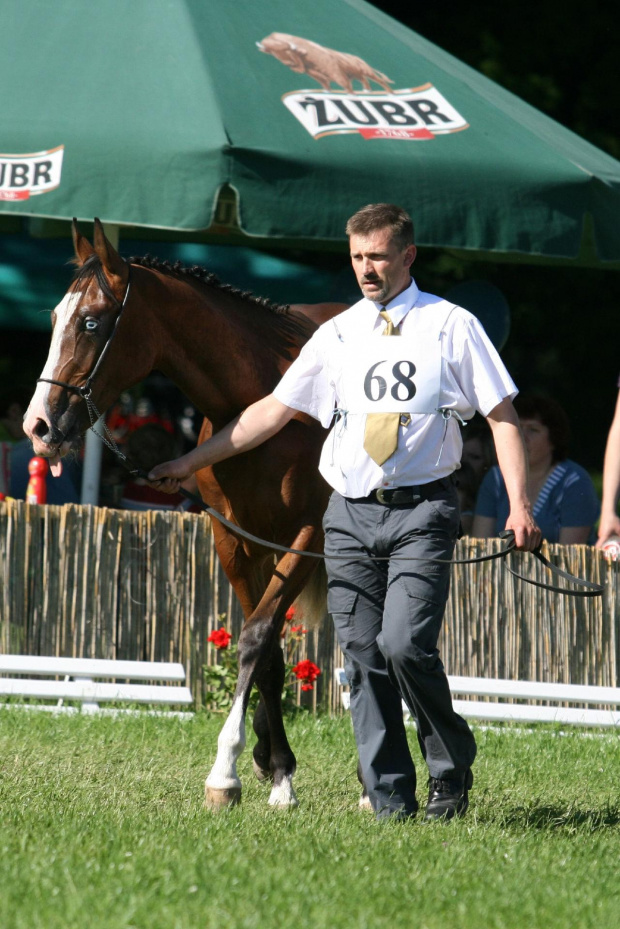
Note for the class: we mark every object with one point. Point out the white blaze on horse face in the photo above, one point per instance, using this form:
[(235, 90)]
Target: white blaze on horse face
[(37, 408), (230, 744)]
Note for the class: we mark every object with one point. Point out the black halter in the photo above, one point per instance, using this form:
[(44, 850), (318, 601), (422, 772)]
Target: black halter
[(85, 390)]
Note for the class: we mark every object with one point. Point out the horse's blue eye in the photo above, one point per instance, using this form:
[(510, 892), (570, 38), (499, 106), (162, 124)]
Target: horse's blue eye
[(90, 325)]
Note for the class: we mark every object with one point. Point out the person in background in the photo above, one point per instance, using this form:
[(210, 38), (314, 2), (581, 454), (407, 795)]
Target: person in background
[(148, 446), (11, 432), (477, 458), (610, 521), (16, 453), (566, 506)]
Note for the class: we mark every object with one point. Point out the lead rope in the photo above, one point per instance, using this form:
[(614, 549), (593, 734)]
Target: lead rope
[(106, 436), (591, 589)]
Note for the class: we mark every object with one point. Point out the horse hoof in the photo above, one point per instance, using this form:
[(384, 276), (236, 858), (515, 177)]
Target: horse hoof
[(261, 773), (365, 803), (217, 799), (282, 794)]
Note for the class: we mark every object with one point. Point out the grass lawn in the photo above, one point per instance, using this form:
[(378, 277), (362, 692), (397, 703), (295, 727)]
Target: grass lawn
[(102, 828)]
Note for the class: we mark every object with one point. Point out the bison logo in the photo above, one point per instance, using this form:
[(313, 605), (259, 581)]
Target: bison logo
[(322, 64), (412, 113)]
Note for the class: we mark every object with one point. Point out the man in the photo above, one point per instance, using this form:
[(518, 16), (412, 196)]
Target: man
[(390, 457), (610, 521)]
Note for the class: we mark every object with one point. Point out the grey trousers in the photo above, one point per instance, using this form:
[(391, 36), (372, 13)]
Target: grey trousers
[(387, 616)]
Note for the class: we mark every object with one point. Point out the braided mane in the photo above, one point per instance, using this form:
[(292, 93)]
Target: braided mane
[(285, 327), (207, 277)]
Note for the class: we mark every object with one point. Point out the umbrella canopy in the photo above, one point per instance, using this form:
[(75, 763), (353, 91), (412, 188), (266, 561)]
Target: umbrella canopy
[(142, 113)]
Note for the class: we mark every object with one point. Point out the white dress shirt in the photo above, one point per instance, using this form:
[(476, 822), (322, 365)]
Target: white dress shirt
[(473, 378)]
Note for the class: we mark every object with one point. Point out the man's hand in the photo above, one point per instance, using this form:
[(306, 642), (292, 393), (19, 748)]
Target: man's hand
[(169, 475), (527, 534)]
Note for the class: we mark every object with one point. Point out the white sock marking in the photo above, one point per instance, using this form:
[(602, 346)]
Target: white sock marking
[(283, 794), (230, 744)]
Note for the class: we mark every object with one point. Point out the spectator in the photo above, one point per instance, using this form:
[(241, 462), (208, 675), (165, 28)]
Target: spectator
[(146, 447), (16, 452), (11, 431), (566, 506), (610, 522)]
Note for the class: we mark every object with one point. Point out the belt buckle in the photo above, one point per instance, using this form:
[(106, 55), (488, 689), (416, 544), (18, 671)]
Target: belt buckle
[(379, 494)]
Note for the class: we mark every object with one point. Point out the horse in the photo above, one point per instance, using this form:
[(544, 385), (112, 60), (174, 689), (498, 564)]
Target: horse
[(225, 349)]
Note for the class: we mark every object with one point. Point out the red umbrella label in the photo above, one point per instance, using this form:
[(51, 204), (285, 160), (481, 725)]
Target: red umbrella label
[(411, 113)]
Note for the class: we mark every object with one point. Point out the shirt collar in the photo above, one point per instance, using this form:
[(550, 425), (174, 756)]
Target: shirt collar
[(401, 304)]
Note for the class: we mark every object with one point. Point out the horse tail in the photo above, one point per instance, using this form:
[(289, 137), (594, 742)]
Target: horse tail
[(311, 604)]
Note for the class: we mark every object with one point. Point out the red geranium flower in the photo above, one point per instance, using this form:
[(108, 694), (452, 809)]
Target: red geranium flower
[(299, 629), (220, 638), (290, 614), (307, 672)]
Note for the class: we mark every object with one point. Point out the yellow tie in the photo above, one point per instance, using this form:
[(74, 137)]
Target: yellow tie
[(381, 433)]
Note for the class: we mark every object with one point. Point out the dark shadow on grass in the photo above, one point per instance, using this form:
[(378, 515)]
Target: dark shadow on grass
[(548, 818)]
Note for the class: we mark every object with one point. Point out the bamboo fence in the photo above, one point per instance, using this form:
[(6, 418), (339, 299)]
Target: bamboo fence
[(83, 581)]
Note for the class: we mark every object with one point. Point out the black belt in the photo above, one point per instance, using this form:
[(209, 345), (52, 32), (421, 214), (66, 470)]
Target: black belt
[(401, 496)]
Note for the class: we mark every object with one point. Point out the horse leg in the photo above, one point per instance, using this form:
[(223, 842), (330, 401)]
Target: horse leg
[(269, 727), (255, 654), (223, 786), (261, 755), (260, 659)]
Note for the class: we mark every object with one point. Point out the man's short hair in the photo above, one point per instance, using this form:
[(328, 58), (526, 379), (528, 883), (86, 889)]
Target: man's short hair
[(377, 216)]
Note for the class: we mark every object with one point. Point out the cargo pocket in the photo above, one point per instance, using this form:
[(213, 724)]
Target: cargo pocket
[(341, 599), (341, 604), (420, 600), (431, 585)]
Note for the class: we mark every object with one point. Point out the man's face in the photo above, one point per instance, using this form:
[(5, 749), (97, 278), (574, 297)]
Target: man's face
[(381, 267)]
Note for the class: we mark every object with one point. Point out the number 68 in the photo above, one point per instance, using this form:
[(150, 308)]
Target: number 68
[(402, 389)]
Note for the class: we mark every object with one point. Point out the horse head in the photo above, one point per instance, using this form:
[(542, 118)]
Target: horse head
[(82, 326)]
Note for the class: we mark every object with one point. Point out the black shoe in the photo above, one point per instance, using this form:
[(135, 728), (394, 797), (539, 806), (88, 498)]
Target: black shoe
[(448, 798), (397, 815)]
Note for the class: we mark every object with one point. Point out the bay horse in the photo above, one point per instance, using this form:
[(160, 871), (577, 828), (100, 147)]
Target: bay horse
[(224, 349)]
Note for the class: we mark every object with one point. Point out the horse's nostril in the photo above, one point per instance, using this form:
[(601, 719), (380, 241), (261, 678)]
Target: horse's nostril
[(41, 429)]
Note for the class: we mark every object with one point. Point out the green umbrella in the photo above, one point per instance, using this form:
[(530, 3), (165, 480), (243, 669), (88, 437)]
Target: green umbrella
[(144, 112)]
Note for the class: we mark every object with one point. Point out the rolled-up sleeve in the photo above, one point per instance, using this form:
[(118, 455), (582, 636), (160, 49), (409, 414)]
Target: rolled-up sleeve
[(307, 386)]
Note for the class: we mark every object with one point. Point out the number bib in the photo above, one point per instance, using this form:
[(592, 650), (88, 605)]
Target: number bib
[(395, 374), (392, 375)]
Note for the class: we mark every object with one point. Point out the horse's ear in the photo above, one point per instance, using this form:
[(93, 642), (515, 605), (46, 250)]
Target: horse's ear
[(82, 247), (110, 259)]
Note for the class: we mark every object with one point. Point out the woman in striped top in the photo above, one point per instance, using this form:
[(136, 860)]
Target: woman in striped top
[(566, 506)]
